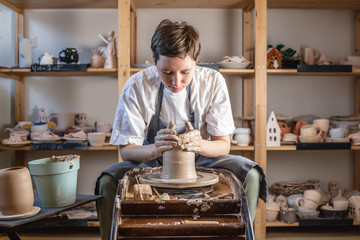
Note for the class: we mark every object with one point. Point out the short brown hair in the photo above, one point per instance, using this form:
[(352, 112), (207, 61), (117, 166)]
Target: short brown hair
[(173, 39)]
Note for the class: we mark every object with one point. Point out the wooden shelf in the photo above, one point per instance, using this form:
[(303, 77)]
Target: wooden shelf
[(238, 148), (281, 224), (227, 72), (28, 148), (9, 72), (19, 5), (355, 72)]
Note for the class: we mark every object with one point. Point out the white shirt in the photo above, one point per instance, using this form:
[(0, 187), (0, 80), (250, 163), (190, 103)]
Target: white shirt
[(138, 100)]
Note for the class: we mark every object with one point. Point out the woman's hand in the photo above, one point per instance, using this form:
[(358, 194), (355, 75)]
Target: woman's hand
[(191, 140), (166, 139)]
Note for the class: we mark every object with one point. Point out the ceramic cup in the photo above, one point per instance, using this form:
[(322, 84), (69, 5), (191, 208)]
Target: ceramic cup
[(241, 137), (291, 200), (96, 139), (338, 133), (284, 128), (322, 123), (288, 215), (302, 203), (340, 204), (298, 126), (312, 195), (310, 131)]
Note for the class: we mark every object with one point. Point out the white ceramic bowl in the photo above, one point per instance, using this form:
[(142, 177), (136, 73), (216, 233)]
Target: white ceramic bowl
[(96, 139), (234, 65)]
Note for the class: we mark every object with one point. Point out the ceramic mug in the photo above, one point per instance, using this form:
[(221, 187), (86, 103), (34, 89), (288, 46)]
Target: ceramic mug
[(64, 120), (302, 203), (322, 123), (241, 137), (310, 131), (312, 195), (291, 200), (96, 139)]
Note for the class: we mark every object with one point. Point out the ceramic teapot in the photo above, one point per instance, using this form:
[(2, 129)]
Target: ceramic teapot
[(69, 55)]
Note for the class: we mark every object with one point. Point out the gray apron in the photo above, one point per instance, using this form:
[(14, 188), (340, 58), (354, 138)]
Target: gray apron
[(239, 165)]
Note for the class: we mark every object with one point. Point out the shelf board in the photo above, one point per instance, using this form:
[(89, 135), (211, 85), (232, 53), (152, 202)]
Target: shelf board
[(227, 72), (20, 5), (277, 223), (238, 148), (89, 72), (28, 148), (355, 72)]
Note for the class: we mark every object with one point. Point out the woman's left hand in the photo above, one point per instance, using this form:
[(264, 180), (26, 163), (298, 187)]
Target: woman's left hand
[(191, 140)]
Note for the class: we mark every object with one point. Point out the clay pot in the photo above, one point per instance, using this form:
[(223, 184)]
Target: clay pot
[(179, 165), (298, 126), (97, 61), (284, 128), (16, 191)]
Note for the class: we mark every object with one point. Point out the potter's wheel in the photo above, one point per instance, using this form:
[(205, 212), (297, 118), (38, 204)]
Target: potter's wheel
[(203, 179)]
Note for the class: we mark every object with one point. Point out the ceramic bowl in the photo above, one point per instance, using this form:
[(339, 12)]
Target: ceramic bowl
[(327, 213), (234, 65), (96, 139), (271, 215), (307, 213), (311, 139), (39, 128)]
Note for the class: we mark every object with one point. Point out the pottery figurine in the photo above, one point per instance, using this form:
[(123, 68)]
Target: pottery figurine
[(46, 59), (16, 191), (81, 119), (111, 52), (97, 60)]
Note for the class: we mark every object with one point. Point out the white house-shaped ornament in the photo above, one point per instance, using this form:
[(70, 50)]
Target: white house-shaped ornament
[(272, 132), (354, 203)]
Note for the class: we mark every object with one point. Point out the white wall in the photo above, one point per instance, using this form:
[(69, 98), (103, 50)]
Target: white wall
[(221, 34)]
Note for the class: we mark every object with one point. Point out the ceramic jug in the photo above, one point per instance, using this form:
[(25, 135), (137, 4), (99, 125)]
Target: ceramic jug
[(16, 191), (241, 137), (25, 50)]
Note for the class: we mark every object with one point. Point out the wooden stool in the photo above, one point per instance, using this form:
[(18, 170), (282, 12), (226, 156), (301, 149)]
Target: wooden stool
[(218, 211)]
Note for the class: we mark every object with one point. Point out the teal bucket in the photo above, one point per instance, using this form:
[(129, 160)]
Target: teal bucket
[(55, 181)]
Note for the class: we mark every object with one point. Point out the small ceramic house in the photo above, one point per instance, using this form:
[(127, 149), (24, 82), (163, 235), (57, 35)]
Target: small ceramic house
[(272, 132), (354, 203), (274, 57)]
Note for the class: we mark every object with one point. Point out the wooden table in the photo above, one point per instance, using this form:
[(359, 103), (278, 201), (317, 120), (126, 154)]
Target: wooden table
[(45, 218), (204, 217)]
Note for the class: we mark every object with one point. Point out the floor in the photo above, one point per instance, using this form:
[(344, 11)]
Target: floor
[(272, 234)]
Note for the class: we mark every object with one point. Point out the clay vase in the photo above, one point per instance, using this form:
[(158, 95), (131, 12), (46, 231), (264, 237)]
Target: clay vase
[(97, 60), (16, 191), (179, 165)]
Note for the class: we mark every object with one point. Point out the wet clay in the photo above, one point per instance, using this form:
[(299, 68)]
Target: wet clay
[(179, 164), (16, 191)]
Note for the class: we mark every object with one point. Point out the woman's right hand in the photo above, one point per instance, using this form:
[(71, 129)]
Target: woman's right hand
[(166, 139)]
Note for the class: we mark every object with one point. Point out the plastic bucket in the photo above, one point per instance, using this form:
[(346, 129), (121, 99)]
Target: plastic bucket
[(55, 181)]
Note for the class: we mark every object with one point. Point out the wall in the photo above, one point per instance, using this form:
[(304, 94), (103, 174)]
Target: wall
[(221, 35)]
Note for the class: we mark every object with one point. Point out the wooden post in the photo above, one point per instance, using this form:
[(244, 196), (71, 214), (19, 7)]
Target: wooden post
[(248, 81), (124, 46), (260, 103), (356, 164)]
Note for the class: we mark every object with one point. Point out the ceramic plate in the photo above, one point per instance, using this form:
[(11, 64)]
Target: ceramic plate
[(74, 139), (35, 210), (239, 65), (16, 144)]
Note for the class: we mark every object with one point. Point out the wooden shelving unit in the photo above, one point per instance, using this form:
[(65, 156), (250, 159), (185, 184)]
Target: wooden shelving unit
[(254, 80)]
